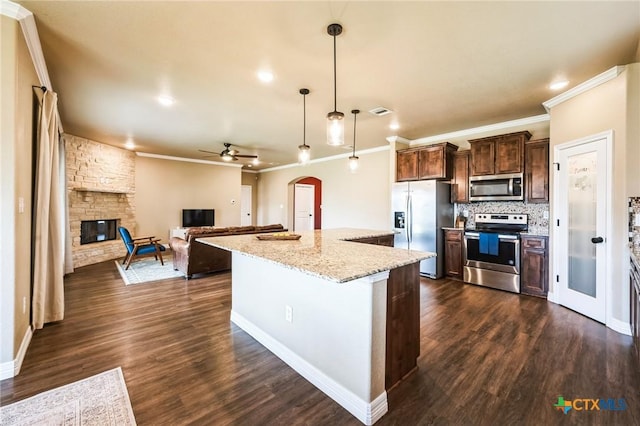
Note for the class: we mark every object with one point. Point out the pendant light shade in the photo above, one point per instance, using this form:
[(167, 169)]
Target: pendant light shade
[(304, 150), (335, 119), (353, 160)]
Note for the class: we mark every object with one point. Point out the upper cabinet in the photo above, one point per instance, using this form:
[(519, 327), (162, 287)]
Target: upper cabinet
[(498, 154), (460, 180), (537, 171), (427, 162)]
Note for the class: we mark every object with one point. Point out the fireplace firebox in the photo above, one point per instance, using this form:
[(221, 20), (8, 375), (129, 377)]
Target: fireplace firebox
[(95, 231)]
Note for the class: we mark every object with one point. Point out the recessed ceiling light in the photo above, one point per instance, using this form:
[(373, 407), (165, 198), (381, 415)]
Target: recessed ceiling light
[(559, 85), (166, 100), (256, 161), (265, 76), (394, 126), (129, 144)]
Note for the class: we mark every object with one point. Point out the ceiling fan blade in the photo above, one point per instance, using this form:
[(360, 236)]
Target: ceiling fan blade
[(208, 152), (246, 156)]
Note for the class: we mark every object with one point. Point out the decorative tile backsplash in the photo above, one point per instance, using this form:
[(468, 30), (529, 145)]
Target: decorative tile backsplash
[(634, 222), (538, 224)]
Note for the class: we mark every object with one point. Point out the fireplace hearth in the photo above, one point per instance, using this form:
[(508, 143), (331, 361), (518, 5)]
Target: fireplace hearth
[(96, 231)]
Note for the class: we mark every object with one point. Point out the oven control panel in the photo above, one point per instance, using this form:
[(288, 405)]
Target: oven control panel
[(498, 218)]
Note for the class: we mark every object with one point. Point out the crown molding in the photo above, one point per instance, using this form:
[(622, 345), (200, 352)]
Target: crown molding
[(186, 160), (397, 139), (323, 159), (497, 127), (13, 10), (596, 81)]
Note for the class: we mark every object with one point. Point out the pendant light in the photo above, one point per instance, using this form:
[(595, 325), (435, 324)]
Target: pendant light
[(353, 160), (304, 150), (335, 119)]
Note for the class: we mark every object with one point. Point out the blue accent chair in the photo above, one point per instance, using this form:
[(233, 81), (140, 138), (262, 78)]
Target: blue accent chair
[(140, 246)]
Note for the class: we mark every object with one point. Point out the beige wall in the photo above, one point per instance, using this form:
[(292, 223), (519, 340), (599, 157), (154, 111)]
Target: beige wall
[(252, 179), (603, 108), (633, 129), (165, 187), (359, 200), (18, 75)]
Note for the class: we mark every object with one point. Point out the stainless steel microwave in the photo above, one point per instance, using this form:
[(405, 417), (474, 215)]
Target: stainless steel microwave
[(507, 187)]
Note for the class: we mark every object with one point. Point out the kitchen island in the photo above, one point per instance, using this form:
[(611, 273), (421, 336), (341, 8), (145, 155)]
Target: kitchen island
[(343, 314)]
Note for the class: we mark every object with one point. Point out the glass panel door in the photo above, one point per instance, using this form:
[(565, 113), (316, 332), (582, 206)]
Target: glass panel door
[(582, 205)]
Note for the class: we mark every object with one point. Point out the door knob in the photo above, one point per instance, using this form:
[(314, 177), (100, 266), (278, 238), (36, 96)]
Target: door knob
[(597, 240)]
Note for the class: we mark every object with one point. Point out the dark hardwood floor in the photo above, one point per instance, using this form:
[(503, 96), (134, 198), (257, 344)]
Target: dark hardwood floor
[(487, 358)]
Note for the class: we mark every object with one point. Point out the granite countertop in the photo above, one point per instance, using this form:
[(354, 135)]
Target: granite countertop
[(451, 228), (533, 231), (324, 253)]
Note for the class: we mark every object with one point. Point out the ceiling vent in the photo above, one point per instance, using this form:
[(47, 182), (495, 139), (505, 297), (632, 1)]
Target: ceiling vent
[(380, 111)]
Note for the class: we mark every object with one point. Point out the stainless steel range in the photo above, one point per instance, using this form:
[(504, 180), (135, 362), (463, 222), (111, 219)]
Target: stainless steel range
[(492, 251)]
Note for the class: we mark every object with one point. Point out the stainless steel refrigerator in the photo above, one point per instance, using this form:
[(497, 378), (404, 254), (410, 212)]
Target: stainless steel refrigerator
[(420, 210)]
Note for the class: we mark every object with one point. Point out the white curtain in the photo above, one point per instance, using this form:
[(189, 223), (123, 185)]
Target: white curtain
[(48, 285)]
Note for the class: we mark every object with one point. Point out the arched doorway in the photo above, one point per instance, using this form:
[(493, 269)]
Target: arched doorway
[(308, 181)]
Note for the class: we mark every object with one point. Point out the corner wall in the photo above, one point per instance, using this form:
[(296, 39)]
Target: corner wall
[(606, 107), (17, 75), (356, 200)]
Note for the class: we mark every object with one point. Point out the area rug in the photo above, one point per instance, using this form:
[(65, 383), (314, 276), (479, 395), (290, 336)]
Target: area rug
[(147, 270), (98, 400)]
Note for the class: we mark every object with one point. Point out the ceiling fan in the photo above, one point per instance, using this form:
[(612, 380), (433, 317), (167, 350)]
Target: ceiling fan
[(229, 154)]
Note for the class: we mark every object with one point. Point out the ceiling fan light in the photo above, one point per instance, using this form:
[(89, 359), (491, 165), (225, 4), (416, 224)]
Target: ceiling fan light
[(335, 128), (226, 157)]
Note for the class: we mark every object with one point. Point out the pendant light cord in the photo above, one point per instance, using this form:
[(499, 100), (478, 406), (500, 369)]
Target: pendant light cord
[(304, 120), (335, 78), (355, 117)]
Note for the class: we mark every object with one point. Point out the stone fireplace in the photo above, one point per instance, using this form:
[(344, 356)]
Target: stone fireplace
[(100, 186)]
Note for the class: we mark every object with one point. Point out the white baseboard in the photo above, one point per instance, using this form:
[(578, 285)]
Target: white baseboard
[(12, 368), (367, 412), (619, 326)]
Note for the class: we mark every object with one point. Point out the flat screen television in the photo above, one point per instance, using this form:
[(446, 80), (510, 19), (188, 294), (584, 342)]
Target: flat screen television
[(198, 217)]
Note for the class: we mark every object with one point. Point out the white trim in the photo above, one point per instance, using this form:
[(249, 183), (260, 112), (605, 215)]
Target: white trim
[(496, 127), (596, 81), (188, 160), (397, 139), (331, 158), (367, 412), (12, 368), (619, 326), (30, 31), (13, 10)]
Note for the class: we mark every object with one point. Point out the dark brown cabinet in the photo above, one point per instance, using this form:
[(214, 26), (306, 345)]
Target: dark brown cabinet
[(634, 281), (537, 171), (453, 253), (403, 317), (428, 162), (534, 266), (460, 180), (500, 154)]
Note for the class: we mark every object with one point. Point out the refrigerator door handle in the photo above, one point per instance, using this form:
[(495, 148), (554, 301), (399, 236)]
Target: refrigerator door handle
[(410, 209), (407, 223)]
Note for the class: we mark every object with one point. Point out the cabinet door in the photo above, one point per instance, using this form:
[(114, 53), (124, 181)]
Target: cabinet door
[(537, 171), (453, 253), (483, 158), (406, 165), (509, 154), (432, 162), (460, 181), (534, 266)]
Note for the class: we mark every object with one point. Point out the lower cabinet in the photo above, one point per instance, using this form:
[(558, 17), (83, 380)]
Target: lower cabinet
[(453, 253), (634, 281), (534, 266), (386, 240)]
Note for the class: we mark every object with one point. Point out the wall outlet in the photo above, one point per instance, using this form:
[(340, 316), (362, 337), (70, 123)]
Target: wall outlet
[(545, 214), (20, 205), (637, 219), (24, 304), (288, 313)]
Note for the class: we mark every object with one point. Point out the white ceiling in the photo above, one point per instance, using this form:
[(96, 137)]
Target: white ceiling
[(440, 66)]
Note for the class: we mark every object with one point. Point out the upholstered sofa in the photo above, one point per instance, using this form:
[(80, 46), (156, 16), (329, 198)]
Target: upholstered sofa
[(192, 257)]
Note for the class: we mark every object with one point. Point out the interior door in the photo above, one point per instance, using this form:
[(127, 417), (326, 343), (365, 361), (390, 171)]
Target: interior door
[(303, 207), (245, 206), (582, 194)]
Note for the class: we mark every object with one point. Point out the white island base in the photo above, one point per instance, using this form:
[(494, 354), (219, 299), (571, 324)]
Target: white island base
[(333, 334)]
